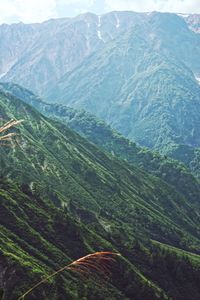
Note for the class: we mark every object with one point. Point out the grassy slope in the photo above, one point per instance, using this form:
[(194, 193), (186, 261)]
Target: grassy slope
[(102, 135), (54, 157), (114, 200), (52, 239), (37, 239)]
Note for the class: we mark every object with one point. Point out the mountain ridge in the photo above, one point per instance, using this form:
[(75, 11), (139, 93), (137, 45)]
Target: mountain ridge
[(143, 85), (35, 49)]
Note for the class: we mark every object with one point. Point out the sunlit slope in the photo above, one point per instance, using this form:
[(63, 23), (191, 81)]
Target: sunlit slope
[(102, 204), (57, 162)]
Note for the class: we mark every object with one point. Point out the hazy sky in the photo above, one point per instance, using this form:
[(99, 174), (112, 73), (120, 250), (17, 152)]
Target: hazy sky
[(29, 11)]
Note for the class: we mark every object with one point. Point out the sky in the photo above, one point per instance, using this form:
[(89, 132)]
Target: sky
[(31, 11)]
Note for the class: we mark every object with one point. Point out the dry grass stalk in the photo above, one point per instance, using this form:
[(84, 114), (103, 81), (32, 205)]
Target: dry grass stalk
[(10, 124), (98, 263), (7, 137)]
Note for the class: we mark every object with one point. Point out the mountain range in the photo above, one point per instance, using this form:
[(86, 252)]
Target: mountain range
[(139, 72), (111, 141), (107, 157), (38, 55), (143, 84)]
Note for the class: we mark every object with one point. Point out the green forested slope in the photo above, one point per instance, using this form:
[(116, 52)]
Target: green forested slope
[(102, 135), (51, 158), (37, 239), (116, 206)]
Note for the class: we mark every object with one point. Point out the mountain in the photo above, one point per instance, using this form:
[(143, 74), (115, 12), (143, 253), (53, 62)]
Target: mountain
[(38, 55), (103, 136), (52, 239), (15, 39), (137, 71), (52, 157), (144, 84), (70, 198)]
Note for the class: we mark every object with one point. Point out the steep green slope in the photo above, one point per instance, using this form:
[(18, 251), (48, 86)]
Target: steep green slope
[(112, 142), (52, 158), (143, 84), (189, 155), (52, 239), (37, 239), (118, 204)]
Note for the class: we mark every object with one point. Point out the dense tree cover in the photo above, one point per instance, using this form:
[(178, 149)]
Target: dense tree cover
[(102, 135), (109, 140), (189, 155), (70, 198)]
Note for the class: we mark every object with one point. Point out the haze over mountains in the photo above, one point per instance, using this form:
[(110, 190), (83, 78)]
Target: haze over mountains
[(45, 52), (38, 55)]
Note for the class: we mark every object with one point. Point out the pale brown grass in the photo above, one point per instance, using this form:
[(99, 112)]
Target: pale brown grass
[(8, 137)]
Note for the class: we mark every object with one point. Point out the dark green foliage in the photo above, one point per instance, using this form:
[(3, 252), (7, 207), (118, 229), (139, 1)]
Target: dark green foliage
[(189, 155), (102, 202), (112, 142), (96, 131), (37, 239)]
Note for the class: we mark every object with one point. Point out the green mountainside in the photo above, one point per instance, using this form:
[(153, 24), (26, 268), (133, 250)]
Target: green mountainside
[(70, 198), (140, 72), (107, 139), (144, 84), (52, 239), (189, 155)]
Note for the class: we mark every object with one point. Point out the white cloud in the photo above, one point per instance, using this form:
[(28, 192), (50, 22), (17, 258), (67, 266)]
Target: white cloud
[(29, 11), (75, 2), (182, 6), (73, 7)]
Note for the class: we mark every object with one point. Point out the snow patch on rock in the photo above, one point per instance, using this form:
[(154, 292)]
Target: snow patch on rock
[(198, 80), (99, 26), (1, 75), (117, 20)]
